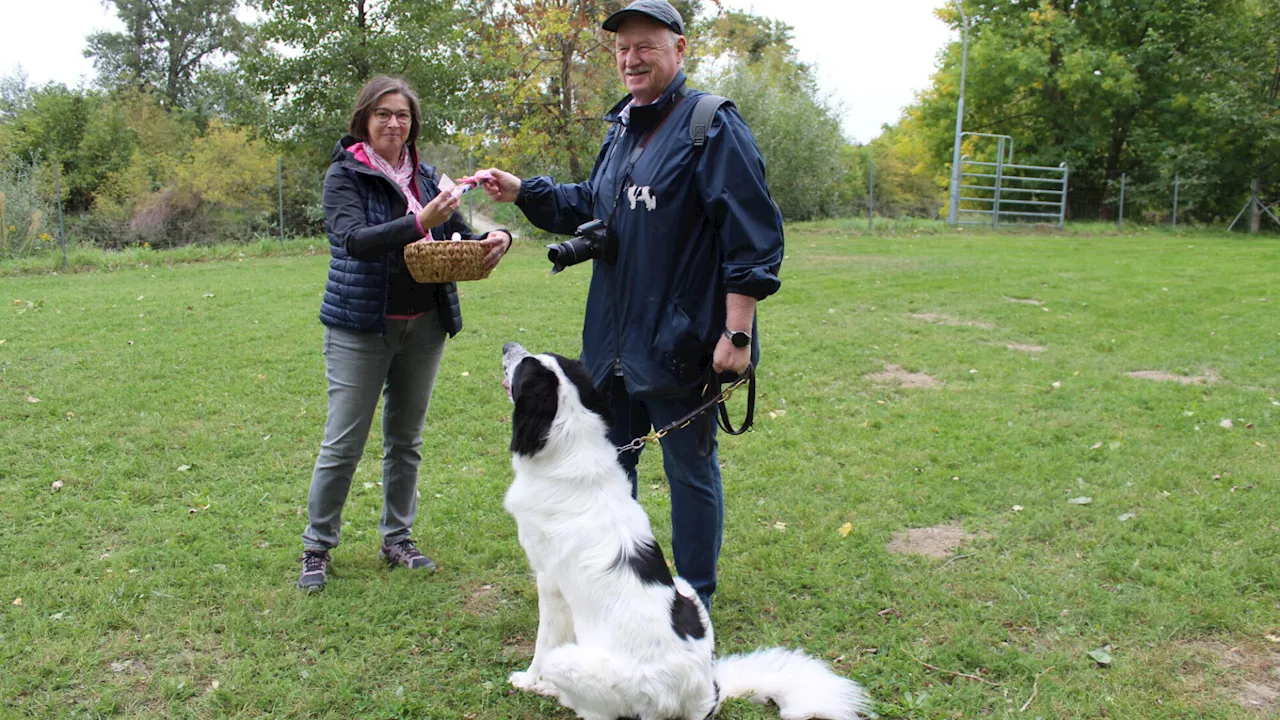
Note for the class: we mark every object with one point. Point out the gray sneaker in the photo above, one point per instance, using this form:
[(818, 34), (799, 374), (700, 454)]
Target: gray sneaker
[(405, 554), (315, 570)]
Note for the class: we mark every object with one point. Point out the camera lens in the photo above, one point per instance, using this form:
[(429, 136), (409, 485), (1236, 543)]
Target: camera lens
[(569, 252)]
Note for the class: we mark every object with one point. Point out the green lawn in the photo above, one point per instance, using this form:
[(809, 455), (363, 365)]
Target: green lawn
[(180, 407)]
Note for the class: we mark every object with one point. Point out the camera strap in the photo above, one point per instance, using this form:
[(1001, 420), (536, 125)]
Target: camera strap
[(634, 157)]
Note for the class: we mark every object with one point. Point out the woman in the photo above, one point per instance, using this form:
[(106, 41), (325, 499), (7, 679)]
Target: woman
[(384, 333)]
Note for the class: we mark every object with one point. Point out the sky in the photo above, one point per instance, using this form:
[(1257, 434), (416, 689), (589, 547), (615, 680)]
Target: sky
[(872, 56)]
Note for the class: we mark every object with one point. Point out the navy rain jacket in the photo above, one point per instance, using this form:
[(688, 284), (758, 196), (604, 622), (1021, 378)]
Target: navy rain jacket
[(692, 226), (365, 217)]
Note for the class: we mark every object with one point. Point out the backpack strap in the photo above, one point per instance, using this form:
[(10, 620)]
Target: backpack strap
[(703, 113)]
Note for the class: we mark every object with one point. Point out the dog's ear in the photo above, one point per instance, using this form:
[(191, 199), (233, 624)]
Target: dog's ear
[(534, 390), (590, 396)]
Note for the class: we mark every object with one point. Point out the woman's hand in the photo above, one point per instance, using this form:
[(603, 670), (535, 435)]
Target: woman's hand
[(497, 243), (499, 185), (438, 210)]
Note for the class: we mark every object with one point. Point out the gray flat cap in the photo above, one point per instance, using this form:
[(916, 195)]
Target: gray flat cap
[(659, 10)]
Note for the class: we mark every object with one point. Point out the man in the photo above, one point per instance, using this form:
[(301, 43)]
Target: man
[(698, 243)]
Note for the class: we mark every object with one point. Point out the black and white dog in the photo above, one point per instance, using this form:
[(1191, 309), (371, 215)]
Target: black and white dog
[(618, 636)]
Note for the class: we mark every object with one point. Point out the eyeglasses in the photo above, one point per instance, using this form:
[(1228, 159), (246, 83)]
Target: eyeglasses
[(383, 116)]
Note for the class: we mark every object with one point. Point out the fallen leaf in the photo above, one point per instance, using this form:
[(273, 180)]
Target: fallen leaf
[(1056, 385), (1017, 508), (1102, 655), (18, 602), (1080, 500), (779, 526), (3, 340), (1259, 444), (1227, 424), (845, 529), (1249, 426), (773, 416), (213, 686), (183, 468), (1274, 638), (1216, 476), (208, 295), (141, 296), (1127, 516), (972, 371), (57, 485), (466, 374), (33, 399), (1095, 446), (368, 485)]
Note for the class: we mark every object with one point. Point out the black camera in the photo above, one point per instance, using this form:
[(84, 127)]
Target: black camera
[(591, 241)]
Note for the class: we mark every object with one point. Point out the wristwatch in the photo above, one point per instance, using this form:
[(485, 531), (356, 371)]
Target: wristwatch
[(738, 338)]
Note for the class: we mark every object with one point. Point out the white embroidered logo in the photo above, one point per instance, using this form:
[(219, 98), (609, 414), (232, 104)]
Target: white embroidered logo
[(636, 193)]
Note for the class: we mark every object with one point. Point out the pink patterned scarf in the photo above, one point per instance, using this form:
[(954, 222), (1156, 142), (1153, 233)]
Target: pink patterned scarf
[(402, 175)]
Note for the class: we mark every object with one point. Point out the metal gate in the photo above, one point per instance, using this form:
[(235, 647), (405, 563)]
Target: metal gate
[(1002, 193)]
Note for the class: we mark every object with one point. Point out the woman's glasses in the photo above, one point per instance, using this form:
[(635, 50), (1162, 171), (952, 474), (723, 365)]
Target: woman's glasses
[(383, 116)]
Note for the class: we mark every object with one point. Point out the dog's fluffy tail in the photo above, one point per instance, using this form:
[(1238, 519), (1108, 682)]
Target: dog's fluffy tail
[(803, 687)]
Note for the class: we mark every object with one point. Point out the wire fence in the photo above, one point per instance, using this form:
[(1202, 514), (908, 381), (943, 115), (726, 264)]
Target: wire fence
[(34, 219)]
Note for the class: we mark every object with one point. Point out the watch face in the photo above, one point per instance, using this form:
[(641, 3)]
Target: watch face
[(740, 339)]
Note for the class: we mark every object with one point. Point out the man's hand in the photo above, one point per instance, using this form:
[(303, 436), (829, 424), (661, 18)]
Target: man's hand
[(730, 358), (499, 185), (496, 242), (438, 210)]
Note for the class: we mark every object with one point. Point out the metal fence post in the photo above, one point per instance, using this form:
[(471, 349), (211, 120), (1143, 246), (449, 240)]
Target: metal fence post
[(280, 188), (995, 195), (1120, 219), (953, 204), (62, 231), (1177, 180), (871, 191), (1062, 209)]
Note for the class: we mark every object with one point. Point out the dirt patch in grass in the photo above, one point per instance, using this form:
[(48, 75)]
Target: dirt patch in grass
[(939, 319), (1209, 378), (1024, 301), (1020, 347), (900, 376), (482, 600), (939, 541), (517, 647), (1248, 674)]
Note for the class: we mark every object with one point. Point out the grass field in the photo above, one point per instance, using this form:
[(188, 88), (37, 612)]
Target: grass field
[(180, 407)]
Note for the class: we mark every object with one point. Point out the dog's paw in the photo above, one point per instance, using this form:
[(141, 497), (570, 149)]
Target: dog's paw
[(529, 682)]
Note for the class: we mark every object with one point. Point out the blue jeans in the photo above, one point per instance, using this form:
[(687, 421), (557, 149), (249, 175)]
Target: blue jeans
[(697, 496), (401, 368)]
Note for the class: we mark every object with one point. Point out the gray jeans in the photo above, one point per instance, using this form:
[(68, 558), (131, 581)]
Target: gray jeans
[(401, 367)]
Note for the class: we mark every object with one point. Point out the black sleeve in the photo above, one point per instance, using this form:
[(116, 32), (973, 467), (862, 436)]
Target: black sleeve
[(345, 219)]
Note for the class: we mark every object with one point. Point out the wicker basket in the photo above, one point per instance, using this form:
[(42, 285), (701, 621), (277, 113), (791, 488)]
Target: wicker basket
[(445, 261)]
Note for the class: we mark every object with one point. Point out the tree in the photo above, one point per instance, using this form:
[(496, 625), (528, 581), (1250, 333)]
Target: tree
[(329, 48), (1108, 87), (165, 45), (15, 94), (797, 130)]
